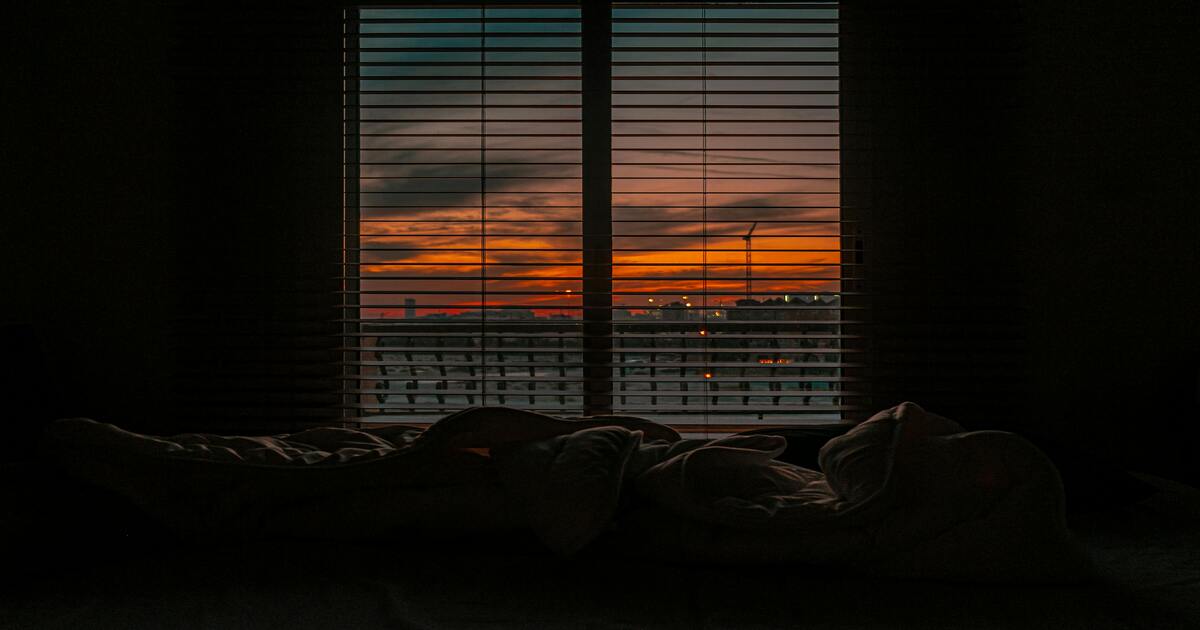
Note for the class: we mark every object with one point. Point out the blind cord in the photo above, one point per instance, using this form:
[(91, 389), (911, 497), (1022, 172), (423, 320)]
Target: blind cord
[(704, 342)]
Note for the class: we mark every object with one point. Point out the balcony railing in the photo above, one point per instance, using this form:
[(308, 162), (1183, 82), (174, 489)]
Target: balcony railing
[(750, 366)]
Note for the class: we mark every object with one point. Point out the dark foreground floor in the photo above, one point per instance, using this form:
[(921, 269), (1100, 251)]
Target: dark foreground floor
[(1148, 553)]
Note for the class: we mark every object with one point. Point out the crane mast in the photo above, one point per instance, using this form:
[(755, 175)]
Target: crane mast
[(749, 239)]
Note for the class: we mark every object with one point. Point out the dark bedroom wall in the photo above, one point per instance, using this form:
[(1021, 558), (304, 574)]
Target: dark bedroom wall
[(1113, 254), (171, 229), (257, 168), (1032, 233), (930, 90), (85, 242)]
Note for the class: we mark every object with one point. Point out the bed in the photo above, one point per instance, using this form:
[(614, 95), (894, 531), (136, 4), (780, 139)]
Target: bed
[(88, 559)]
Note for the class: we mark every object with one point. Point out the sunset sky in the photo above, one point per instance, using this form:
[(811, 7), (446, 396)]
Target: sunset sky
[(713, 131)]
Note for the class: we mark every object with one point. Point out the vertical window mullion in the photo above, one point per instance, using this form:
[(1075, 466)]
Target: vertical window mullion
[(597, 208)]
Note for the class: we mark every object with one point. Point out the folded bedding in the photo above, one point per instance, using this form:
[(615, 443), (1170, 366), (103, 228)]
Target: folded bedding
[(906, 493)]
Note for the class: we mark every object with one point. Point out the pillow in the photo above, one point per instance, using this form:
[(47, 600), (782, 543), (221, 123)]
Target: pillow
[(804, 442), (859, 464)]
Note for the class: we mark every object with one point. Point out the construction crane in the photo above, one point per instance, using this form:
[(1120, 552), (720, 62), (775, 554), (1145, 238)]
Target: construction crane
[(749, 242)]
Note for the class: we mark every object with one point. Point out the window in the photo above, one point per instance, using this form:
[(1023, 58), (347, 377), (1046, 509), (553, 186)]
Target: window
[(591, 209)]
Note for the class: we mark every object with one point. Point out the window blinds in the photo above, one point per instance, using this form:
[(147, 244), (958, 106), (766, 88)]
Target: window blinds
[(483, 266)]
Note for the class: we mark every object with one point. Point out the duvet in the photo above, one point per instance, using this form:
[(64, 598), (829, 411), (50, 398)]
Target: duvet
[(906, 493)]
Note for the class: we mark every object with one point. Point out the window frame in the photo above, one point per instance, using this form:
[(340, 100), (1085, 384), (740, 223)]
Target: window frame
[(597, 264)]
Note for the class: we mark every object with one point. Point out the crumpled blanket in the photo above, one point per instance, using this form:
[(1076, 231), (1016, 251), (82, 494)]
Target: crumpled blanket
[(906, 493)]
